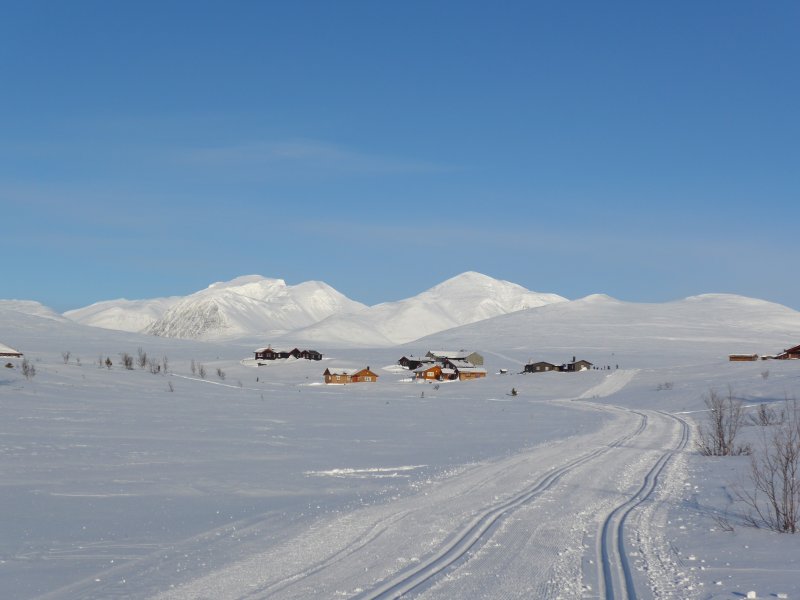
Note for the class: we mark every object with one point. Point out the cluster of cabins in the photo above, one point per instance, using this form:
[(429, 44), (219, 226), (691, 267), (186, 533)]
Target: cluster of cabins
[(269, 353), (445, 365), (792, 353), (543, 367)]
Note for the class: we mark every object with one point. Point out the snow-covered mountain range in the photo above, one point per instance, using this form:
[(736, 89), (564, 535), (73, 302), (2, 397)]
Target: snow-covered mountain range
[(254, 306), (469, 310), (464, 299)]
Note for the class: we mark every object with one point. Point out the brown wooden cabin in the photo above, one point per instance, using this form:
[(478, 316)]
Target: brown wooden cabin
[(539, 367), (467, 373), (310, 355), (790, 354), (266, 354), (743, 357), (575, 365), (350, 376), (432, 373)]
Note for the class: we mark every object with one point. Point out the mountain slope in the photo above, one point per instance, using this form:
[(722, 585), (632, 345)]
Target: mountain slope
[(464, 299), (122, 315), (612, 332), (250, 306)]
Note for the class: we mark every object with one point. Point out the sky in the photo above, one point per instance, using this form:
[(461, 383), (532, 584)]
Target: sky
[(649, 151)]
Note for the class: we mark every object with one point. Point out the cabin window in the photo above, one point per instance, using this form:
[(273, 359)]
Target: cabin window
[(367, 378)]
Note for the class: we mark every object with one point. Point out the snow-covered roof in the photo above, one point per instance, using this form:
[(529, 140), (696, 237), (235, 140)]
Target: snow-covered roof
[(340, 371), (8, 351), (451, 354), (473, 370), (460, 364)]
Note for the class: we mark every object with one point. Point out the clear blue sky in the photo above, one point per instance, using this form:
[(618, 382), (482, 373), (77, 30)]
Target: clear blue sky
[(645, 150)]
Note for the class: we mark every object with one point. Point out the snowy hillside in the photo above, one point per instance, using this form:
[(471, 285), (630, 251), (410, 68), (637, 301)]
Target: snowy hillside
[(250, 306), (123, 315), (464, 299), (28, 307), (710, 326), (264, 483)]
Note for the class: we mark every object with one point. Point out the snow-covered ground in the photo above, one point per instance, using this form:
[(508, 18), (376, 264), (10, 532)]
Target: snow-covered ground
[(265, 484)]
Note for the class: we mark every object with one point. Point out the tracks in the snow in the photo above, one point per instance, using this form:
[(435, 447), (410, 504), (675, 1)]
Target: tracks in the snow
[(479, 530), (614, 566)]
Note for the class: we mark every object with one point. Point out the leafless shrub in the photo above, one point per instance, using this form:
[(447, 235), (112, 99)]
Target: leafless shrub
[(65, 356), (667, 385), (170, 387), (141, 358), (774, 500), (78, 360), (28, 370), (765, 374), (127, 360), (100, 362), (193, 367), (765, 416), (201, 370), (221, 374), (108, 362), (165, 364), (717, 437), (154, 366)]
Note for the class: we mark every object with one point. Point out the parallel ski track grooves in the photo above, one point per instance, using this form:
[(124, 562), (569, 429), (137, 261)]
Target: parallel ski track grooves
[(478, 531), (613, 555), (375, 532)]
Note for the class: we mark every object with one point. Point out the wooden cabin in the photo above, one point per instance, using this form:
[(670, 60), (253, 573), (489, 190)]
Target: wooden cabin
[(790, 354), (343, 376), (412, 363), (743, 357), (266, 354), (467, 373), (432, 373), (539, 367), (310, 355), (575, 365)]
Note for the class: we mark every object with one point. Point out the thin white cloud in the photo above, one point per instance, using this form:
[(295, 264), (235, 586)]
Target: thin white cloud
[(305, 154)]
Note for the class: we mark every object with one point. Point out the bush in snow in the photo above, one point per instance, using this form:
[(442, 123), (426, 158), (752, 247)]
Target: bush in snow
[(221, 374), (141, 359), (28, 370), (127, 360), (774, 501), (65, 356), (717, 437)]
